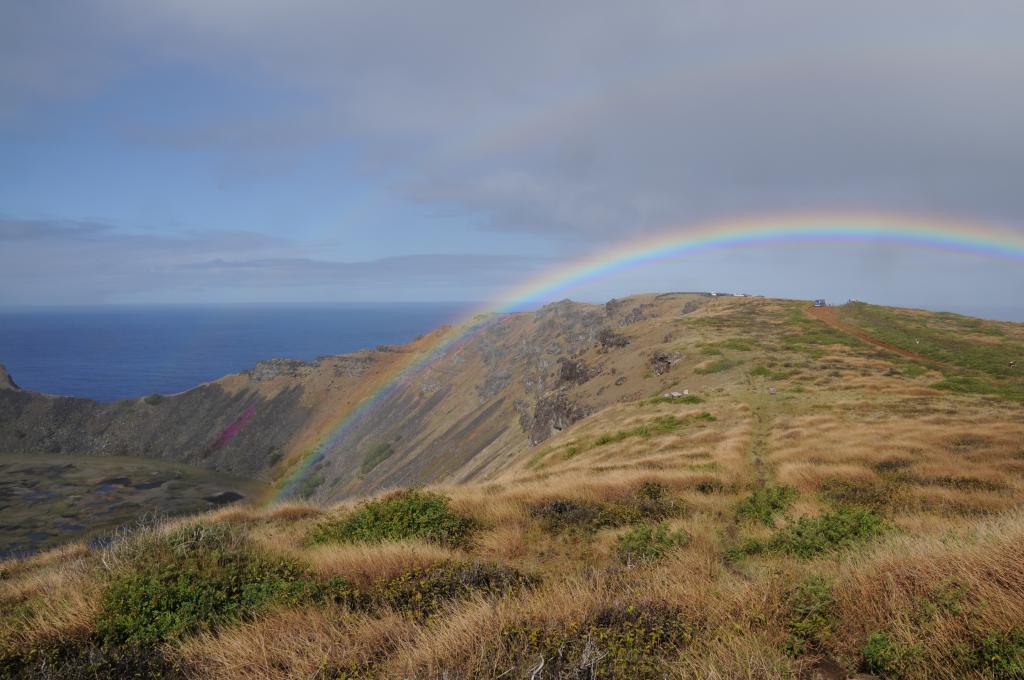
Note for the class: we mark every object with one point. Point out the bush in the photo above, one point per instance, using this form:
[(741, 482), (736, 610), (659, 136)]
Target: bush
[(86, 660), (651, 501), (887, 658), (809, 612), (619, 641), (404, 515), (846, 492), (1000, 654), (422, 592), (647, 543), (813, 536), (194, 580), (765, 503)]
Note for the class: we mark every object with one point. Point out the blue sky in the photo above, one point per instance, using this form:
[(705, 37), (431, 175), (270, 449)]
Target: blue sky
[(310, 150)]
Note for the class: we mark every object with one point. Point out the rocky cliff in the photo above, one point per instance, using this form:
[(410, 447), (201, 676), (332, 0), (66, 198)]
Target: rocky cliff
[(466, 416)]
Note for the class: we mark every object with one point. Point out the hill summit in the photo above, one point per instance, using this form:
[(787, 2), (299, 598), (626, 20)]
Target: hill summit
[(676, 485)]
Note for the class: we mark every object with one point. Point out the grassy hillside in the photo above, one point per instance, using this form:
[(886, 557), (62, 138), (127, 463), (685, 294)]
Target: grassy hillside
[(824, 501)]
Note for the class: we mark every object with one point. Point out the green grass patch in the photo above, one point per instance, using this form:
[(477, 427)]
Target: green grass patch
[(682, 399), (403, 515), (765, 503), (660, 425), (377, 455), (942, 337), (969, 384), (763, 371), (815, 536), (647, 543), (723, 364)]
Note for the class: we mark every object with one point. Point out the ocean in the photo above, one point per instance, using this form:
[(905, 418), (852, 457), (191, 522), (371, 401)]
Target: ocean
[(111, 353)]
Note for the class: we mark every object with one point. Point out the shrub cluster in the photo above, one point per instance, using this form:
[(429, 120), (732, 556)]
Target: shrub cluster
[(403, 515), (765, 503), (813, 536), (650, 502), (194, 580), (647, 543), (620, 641)]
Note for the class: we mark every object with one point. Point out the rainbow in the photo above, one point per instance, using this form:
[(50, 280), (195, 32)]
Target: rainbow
[(935, 234)]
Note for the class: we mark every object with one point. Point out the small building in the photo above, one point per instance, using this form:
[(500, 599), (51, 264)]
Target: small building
[(819, 302)]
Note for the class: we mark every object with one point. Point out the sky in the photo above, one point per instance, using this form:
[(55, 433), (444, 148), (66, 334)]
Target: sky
[(193, 151)]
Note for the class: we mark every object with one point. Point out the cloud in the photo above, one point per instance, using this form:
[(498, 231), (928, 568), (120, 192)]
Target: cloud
[(598, 117), (58, 262), (580, 124), (35, 230)]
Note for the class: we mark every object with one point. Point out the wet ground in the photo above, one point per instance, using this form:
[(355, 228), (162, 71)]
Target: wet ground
[(46, 500)]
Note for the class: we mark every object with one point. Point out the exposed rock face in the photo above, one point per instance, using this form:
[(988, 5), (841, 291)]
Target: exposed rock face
[(636, 315), (574, 371), (691, 306), (609, 338), (272, 368), (207, 426), (6, 382), (554, 412), (454, 420), (662, 363)]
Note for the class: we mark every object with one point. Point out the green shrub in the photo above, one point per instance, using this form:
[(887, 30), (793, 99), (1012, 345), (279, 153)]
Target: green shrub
[(651, 501), (883, 656), (813, 536), (870, 495), (195, 579), (564, 514), (422, 592), (377, 455), (647, 543), (153, 399), (403, 515), (765, 503), (619, 641), (809, 615), (1000, 654), (87, 660)]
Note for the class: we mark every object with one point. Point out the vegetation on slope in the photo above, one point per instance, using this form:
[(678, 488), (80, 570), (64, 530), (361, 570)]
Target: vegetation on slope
[(855, 518)]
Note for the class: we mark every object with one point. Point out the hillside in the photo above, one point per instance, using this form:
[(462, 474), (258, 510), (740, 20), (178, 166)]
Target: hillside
[(664, 486)]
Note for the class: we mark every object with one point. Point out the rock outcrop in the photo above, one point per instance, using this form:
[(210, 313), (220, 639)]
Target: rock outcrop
[(554, 412), (6, 381)]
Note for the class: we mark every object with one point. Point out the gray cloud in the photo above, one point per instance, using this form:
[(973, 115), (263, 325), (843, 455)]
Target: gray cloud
[(74, 263), (584, 121), (595, 117)]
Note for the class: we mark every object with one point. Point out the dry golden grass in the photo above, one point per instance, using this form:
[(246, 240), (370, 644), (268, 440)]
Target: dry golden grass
[(846, 429), (301, 643), (364, 564)]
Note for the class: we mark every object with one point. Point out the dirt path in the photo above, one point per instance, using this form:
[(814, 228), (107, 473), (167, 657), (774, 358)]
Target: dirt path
[(831, 317)]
